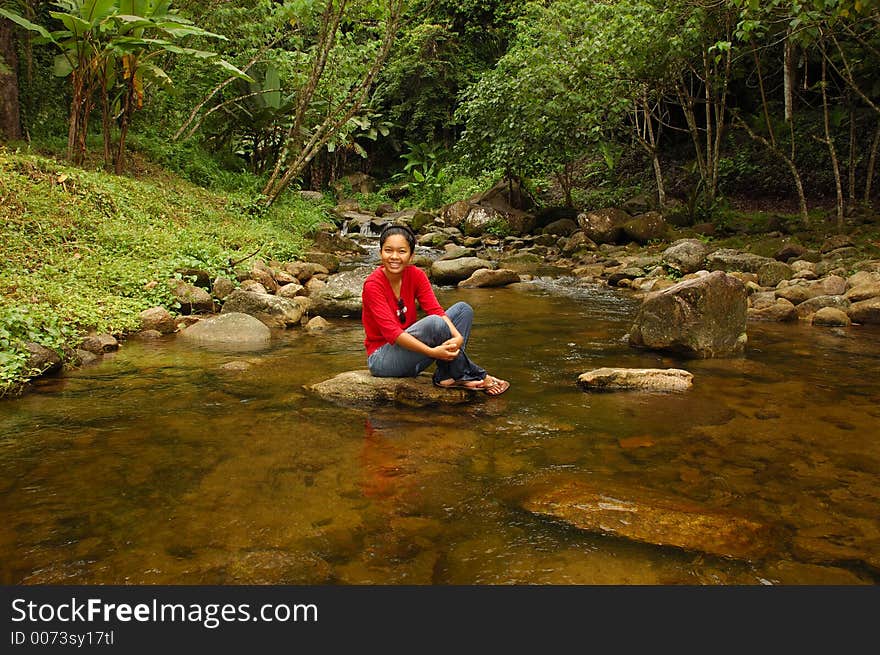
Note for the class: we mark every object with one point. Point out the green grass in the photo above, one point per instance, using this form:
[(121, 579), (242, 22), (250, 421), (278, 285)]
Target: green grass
[(80, 248)]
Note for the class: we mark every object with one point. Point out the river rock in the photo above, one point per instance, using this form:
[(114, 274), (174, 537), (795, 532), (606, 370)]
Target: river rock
[(290, 291), (703, 317), (773, 272), (304, 271), (253, 286), (523, 263), (865, 311), (42, 359), (647, 227), (232, 330), (648, 516), (779, 310), (795, 291), (341, 295), (603, 225), (863, 291), (222, 287), (831, 317), (192, 299), (813, 305), (327, 260), (274, 311), (360, 387), (159, 319), (316, 324), (578, 244), (562, 227), (456, 270), (686, 255), (486, 277), (455, 251), (99, 343), (728, 259), (648, 379)]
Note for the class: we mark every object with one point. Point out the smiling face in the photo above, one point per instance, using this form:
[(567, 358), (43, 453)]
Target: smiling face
[(395, 254)]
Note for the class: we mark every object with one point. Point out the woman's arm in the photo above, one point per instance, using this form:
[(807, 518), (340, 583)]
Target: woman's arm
[(447, 351)]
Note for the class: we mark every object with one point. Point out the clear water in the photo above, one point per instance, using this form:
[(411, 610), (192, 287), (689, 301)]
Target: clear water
[(158, 466)]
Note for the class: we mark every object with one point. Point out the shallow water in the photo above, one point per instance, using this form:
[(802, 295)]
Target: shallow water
[(157, 466)]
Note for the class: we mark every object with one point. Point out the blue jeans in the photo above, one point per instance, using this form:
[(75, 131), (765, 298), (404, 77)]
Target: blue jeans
[(393, 361)]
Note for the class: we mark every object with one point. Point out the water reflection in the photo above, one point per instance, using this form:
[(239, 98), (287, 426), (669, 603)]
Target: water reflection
[(161, 466)]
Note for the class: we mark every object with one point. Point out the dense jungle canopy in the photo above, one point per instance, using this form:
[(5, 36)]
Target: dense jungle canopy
[(688, 99)]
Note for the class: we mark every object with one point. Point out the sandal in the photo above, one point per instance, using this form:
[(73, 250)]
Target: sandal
[(489, 385)]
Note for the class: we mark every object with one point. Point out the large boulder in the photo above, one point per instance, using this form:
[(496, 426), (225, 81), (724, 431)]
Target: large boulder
[(341, 295), (642, 379), (230, 331), (455, 270), (603, 225), (273, 311), (648, 516), (362, 388), (686, 255), (702, 317)]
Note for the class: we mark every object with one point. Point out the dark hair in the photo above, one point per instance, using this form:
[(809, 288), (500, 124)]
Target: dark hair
[(403, 230)]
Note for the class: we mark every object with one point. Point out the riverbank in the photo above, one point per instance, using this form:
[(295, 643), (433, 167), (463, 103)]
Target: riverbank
[(85, 253)]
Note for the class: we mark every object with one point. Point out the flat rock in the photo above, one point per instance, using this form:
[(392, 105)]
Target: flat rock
[(486, 277), (360, 387), (647, 516), (645, 379)]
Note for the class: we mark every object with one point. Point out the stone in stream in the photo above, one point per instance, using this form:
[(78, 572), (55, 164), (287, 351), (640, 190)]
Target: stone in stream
[(455, 270), (360, 387), (865, 311), (230, 331), (703, 317), (648, 516), (341, 295), (274, 311), (486, 277), (643, 379)]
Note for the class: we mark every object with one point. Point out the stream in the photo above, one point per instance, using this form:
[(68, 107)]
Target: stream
[(157, 466)]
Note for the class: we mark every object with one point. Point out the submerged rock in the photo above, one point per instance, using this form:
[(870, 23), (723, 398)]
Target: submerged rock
[(646, 379), (360, 387), (647, 516)]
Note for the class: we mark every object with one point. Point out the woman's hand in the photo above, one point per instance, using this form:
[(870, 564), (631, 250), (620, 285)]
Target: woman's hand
[(446, 351)]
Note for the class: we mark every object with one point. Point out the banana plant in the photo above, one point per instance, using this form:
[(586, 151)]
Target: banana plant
[(108, 48)]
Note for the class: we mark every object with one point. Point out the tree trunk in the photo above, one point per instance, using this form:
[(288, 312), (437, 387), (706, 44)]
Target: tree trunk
[(829, 140), (788, 72), (795, 174), (872, 161), (10, 116), (851, 167)]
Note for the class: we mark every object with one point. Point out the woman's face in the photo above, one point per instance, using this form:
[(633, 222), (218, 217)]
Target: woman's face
[(395, 254)]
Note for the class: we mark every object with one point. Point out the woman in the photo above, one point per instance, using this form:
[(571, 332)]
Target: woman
[(400, 346)]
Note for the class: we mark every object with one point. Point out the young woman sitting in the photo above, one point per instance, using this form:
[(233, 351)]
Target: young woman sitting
[(397, 344)]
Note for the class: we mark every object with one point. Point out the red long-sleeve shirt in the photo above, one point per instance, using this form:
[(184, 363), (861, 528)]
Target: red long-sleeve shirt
[(379, 314)]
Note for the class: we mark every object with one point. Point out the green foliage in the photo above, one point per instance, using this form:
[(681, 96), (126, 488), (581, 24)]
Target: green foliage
[(88, 250)]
